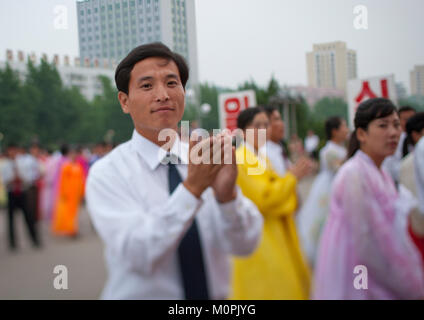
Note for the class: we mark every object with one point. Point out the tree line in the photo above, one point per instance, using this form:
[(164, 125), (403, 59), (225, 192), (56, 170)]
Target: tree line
[(41, 109)]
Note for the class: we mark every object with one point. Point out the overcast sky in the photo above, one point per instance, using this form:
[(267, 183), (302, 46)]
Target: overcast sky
[(242, 39)]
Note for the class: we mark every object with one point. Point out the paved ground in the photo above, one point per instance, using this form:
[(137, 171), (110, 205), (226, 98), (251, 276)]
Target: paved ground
[(28, 273)]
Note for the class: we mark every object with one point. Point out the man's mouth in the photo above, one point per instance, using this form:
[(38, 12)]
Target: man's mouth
[(163, 109)]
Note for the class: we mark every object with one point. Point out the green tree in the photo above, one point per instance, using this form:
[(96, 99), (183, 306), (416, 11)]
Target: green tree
[(329, 107), (111, 116), (417, 102), (16, 120), (209, 94)]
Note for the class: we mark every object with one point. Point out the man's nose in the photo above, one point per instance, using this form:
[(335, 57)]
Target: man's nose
[(161, 93)]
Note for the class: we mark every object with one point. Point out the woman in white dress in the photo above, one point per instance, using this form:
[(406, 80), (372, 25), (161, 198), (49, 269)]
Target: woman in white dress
[(313, 213)]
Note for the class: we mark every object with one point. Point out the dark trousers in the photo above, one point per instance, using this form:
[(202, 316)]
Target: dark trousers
[(21, 201)]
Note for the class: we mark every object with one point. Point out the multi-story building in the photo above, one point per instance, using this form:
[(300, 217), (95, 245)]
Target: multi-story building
[(109, 29), (417, 80), (331, 65), (85, 79)]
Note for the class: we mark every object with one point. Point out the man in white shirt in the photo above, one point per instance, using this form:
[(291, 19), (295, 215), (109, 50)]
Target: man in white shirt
[(145, 216), (273, 149), (19, 174)]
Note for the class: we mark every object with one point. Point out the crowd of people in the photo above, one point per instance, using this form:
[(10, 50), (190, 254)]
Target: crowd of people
[(45, 186), (175, 228)]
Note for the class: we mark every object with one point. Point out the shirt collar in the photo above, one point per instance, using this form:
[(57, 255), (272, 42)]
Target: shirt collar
[(153, 154)]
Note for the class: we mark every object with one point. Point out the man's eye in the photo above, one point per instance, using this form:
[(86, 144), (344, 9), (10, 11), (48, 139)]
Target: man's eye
[(383, 125), (146, 86), (172, 83)]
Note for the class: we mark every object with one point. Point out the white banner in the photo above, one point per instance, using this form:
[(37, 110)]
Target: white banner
[(360, 90), (231, 104)]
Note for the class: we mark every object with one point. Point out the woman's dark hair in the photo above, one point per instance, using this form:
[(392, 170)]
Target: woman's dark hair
[(368, 111), (64, 149), (150, 50), (246, 116), (332, 123), (414, 124)]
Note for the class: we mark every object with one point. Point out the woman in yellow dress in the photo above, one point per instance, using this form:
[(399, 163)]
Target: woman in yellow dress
[(277, 269)]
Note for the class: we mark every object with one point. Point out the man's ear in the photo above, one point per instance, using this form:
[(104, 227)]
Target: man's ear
[(123, 100)]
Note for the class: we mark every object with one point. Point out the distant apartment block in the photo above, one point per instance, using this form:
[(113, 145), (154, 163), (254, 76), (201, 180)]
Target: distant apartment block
[(109, 29), (331, 65), (417, 80)]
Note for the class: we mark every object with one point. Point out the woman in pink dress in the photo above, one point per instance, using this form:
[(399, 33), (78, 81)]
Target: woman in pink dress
[(365, 250)]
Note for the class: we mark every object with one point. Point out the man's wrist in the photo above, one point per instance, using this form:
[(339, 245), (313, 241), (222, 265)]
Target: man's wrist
[(197, 192), (228, 197)]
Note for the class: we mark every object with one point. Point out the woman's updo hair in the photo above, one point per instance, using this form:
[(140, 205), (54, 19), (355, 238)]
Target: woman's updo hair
[(368, 111), (246, 117)]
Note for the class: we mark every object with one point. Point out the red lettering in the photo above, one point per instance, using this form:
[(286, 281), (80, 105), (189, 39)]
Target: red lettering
[(235, 101), (365, 92), (384, 90)]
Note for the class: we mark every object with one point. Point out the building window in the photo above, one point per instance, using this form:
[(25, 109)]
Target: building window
[(88, 11), (82, 12)]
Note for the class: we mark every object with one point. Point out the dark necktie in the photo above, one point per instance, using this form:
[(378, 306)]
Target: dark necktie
[(190, 252)]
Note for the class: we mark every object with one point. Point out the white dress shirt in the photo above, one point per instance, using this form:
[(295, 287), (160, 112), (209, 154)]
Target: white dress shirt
[(26, 167), (311, 143), (141, 224)]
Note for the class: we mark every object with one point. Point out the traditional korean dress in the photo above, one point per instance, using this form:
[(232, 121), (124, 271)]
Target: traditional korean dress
[(70, 194), (277, 268), (314, 211), (367, 227)]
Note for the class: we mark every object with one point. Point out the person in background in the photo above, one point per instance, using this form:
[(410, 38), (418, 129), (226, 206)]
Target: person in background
[(366, 230), (82, 160), (3, 192), (69, 196), (311, 144), (277, 268), (296, 148), (314, 211), (19, 174), (410, 177), (392, 163), (274, 149), (414, 132), (99, 150)]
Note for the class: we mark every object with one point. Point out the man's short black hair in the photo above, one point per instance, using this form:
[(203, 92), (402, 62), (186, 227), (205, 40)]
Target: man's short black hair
[(269, 110), (332, 123), (150, 50), (406, 108)]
